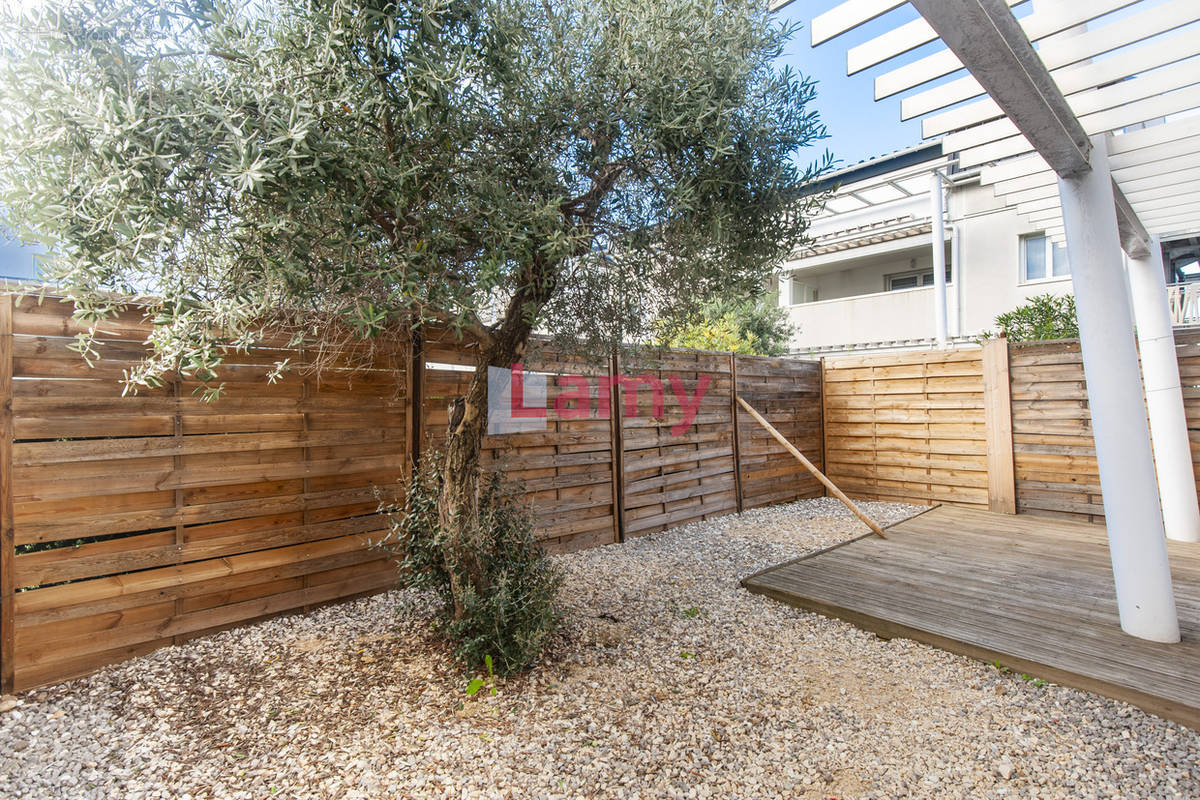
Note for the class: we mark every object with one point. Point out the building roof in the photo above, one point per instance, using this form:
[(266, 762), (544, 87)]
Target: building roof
[(879, 165), (873, 233)]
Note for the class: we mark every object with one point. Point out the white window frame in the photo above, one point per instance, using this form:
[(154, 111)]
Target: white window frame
[(887, 279), (1022, 267)]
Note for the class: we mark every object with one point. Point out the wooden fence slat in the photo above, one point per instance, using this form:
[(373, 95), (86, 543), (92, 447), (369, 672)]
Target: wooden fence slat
[(737, 444), (1002, 491), (616, 408), (415, 389)]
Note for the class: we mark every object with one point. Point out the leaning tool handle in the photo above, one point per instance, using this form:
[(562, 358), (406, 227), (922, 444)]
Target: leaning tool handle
[(838, 493)]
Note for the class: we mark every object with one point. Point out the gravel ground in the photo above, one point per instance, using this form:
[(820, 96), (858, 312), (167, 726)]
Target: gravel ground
[(669, 681)]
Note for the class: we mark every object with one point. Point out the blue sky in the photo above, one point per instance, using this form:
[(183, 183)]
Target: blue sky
[(15, 261), (859, 127)]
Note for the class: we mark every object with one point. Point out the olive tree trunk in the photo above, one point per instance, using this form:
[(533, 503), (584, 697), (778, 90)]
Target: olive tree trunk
[(459, 503)]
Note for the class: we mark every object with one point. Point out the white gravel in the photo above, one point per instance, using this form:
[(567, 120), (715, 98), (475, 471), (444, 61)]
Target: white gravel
[(669, 681)]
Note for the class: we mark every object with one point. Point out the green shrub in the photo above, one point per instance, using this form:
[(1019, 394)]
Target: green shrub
[(1046, 316), (517, 612), (753, 326)]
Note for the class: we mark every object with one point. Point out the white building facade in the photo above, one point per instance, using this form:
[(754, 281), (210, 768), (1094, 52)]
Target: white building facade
[(866, 281)]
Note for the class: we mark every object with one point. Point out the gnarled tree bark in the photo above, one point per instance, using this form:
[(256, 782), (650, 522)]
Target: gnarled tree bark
[(459, 506)]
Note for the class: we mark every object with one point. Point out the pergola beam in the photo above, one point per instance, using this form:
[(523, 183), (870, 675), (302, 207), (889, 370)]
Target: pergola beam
[(1135, 241), (987, 38)]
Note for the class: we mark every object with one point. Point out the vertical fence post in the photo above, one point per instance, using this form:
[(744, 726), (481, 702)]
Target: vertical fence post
[(997, 404), (617, 440), (177, 466), (414, 384), (737, 439), (7, 538), (821, 422)]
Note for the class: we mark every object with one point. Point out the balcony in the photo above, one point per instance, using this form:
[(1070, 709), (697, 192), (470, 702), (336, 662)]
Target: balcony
[(1184, 300), (901, 315)]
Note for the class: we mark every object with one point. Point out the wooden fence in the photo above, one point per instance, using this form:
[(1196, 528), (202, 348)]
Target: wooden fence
[(1003, 426), (1054, 454), (159, 517), (1053, 449), (132, 522), (908, 427)]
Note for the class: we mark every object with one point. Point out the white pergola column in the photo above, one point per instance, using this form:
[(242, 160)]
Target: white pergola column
[(1164, 397), (938, 217), (1145, 598)]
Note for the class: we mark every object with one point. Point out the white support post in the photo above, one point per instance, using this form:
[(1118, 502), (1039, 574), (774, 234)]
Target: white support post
[(785, 290), (1136, 541), (938, 219), (1164, 397), (960, 281)]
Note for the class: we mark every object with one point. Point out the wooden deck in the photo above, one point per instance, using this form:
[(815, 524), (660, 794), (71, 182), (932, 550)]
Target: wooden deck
[(1035, 594)]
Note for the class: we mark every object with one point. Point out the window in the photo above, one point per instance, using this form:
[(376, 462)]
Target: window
[(1042, 259), (912, 280)]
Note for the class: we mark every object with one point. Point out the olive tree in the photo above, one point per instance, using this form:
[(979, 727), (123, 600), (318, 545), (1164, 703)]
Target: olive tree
[(592, 168)]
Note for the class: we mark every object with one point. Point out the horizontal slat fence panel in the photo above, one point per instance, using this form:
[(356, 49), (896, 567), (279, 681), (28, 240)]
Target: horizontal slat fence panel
[(788, 394), (135, 521), (147, 519), (676, 472), (567, 468), (908, 427), (1054, 452), (1054, 455), (911, 426), (1187, 350)]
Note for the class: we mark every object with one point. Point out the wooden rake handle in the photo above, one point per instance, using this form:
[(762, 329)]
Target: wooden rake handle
[(838, 493)]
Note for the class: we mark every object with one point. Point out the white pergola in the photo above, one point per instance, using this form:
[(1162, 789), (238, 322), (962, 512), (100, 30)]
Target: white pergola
[(1082, 116)]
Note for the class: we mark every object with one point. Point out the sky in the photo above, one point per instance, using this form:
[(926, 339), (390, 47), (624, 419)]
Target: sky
[(858, 126), (16, 261)]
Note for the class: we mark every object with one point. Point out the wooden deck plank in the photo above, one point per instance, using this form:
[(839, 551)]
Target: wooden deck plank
[(1033, 593)]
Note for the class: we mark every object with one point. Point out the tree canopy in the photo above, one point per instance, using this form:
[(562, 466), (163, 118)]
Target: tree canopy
[(599, 169), (593, 167)]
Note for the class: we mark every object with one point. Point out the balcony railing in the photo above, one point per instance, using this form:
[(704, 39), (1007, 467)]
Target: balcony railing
[(1184, 300), (904, 314)]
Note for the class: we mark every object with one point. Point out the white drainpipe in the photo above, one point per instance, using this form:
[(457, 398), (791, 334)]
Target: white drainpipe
[(938, 218), (960, 281)]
